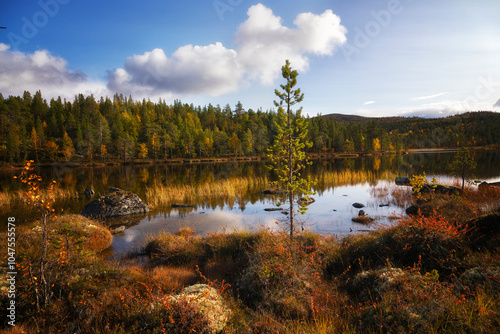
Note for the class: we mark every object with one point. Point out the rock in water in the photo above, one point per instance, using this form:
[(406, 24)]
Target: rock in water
[(358, 205), (273, 192), (115, 204), (403, 181), (273, 209), (89, 192), (440, 189), (486, 185)]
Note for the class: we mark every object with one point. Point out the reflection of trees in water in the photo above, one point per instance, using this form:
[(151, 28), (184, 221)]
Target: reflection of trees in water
[(144, 175), (329, 172)]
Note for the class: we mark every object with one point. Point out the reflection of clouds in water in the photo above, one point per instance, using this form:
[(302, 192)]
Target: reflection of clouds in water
[(236, 221), (320, 217), (220, 220), (130, 235), (216, 221)]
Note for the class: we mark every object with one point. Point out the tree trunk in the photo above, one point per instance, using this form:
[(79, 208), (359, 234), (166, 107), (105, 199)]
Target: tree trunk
[(290, 166)]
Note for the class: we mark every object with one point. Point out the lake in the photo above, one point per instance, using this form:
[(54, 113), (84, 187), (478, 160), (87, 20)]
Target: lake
[(331, 213)]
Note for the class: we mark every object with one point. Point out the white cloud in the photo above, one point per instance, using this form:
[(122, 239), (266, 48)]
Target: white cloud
[(4, 47), (263, 45), (211, 69), (446, 108), (368, 103), (42, 71), (429, 97)]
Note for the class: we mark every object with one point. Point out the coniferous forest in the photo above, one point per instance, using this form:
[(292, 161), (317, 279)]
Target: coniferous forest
[(90, 129)]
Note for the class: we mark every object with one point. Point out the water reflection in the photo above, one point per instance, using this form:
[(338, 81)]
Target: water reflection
[(330, 214), (219, 220), (341, 182), (137, 177)]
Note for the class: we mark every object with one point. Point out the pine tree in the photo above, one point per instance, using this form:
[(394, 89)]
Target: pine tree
[(287, 153), (463, 164)]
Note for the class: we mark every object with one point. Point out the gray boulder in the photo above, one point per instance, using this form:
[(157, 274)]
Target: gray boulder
[(486, 185), (115, 204), (441, 189), (207, 301), (358, 205)]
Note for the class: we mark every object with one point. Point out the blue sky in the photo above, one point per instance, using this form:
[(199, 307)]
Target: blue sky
[(366, 57)]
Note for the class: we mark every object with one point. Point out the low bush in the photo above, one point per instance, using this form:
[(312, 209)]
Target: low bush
[(427, 243)]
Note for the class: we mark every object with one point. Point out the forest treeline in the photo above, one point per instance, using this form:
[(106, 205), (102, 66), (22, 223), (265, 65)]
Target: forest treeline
[(121, 128)]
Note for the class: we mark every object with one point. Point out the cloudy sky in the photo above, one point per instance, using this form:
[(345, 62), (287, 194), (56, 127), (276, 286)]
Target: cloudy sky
[(367, 57)]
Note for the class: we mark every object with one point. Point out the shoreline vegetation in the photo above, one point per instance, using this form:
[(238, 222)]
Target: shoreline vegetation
[(211, 160), (434, 272)]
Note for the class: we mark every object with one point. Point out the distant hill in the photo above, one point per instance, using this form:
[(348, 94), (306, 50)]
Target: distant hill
[(342, 118), (480, 128), (348, 118)]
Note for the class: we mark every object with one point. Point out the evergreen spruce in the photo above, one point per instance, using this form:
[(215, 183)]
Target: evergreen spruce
[(287, 154)]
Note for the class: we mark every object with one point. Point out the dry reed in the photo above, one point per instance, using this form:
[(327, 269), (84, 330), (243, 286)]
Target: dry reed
[(10, 201), (228, 189), (349, 177)]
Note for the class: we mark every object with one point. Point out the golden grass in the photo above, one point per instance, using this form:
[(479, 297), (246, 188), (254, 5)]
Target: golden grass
[(172, 279), (14, 200), (400, 196), (185, 232), (349, 177), (77, 230), (228, 189), (234, 187)]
